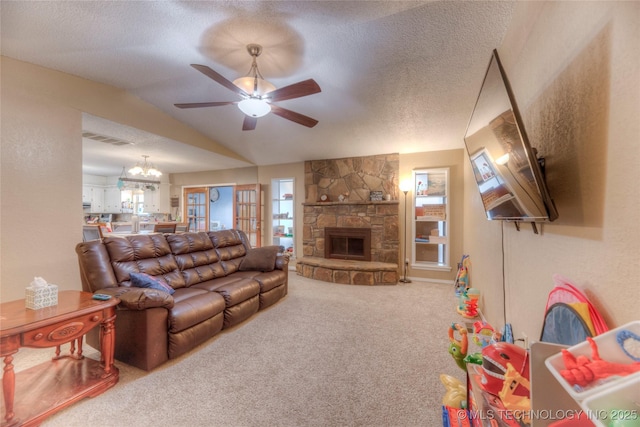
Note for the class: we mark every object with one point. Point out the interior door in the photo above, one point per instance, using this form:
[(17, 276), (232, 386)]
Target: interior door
[(247, 212), (196, 208)]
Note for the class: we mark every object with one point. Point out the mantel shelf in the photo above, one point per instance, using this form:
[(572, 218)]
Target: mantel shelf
[(346, 202)]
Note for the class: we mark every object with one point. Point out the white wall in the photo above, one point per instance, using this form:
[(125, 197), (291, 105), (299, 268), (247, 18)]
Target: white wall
[(574, 69), (41, 184), (41, 167)]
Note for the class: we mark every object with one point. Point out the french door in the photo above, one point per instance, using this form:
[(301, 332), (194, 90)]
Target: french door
[(246, 210), (197, 208)]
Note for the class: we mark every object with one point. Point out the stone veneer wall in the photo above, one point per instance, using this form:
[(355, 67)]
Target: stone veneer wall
[(352, 178)]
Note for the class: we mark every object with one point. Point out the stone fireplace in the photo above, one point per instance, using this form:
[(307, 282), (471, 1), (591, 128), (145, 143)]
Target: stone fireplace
[(338, 197), (347, 243)]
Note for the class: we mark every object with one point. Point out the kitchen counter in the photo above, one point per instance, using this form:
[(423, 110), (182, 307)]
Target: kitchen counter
[(126, 226)]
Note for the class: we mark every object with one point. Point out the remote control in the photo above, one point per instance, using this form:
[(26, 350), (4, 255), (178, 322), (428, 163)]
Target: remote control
[(101, 297)]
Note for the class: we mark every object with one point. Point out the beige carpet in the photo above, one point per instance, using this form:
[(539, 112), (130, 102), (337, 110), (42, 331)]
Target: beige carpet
[(326, 355)]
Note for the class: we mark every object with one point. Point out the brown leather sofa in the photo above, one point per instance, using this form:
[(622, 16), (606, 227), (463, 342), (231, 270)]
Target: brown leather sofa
[(219, 281)]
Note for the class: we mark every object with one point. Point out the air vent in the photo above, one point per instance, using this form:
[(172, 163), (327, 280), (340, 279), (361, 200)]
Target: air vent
[(106, 139)]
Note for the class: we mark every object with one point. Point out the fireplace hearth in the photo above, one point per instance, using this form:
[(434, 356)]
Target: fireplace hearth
[(347, 185), (347, 243)]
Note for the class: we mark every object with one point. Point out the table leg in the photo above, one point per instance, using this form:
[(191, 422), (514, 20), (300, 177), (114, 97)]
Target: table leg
[(80, 347), (107, 343), (8, 387)]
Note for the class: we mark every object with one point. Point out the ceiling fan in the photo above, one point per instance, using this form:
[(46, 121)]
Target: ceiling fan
[(258, 94)]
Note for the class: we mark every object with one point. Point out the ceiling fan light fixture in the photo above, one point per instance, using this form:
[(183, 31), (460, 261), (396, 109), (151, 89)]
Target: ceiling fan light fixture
[(254, 107), (248, 84), (257, 94)]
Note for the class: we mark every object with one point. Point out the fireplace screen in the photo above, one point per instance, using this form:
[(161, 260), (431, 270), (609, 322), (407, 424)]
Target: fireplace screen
[(347, 243)]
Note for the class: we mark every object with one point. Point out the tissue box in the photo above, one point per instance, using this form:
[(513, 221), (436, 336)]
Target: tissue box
[(41, 297)]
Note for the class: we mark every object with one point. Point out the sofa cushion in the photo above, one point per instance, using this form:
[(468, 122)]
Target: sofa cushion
[(144, 253), (230, 247), (196, 257), (271, 280), (142, 280), (234, 290), (260, 259), (193, 306)]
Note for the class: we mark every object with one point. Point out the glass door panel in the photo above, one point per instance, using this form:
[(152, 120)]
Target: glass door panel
[(196, 208), (248, 213)]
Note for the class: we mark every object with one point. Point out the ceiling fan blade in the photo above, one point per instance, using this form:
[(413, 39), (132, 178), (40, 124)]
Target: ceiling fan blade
[(249, 123), (204, 104), (293, 116), (219, 78), (296, 90)]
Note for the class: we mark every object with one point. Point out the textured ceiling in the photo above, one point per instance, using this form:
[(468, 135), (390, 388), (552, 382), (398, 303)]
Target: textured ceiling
[(395, 76)]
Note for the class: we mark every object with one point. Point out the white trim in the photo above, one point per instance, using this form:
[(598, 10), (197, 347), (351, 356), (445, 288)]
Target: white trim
[(426, 280), (434, 267)]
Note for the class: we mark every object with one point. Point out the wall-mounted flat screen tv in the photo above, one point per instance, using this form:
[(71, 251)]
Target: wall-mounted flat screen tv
[(508, 173)]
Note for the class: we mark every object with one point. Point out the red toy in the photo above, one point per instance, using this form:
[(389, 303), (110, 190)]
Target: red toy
[(582, 371), (496, 359)]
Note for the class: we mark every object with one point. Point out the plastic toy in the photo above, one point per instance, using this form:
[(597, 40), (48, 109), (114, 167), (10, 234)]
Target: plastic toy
[(455, 417), (456, 392), (495, 360), (506, 334), (630, 344), (483, 334), (458, 348), (517, 403), (475, 358), (462, 277), (581, 371), (468, 306)]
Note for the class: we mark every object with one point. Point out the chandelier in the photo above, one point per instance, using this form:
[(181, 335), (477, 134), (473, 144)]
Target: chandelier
[(148, 178), (146, 169)]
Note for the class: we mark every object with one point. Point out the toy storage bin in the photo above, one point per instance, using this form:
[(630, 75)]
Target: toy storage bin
[(616, 404), (609, 350)]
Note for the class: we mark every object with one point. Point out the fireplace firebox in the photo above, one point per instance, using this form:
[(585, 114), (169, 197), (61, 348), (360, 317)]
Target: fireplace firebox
[(347, 243)]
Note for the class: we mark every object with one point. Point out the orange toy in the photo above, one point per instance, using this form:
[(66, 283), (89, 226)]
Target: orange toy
[(582, 371)]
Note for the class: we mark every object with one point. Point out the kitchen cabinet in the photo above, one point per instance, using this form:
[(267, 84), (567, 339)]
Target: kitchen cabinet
[(151, 201), (93, 195), (157, 201), (283, 226), (430, 227), (86, 194), (97, 199), (112, 200)]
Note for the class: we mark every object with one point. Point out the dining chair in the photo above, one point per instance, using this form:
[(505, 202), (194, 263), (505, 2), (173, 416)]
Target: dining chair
[(167, 227), (91, 232), (182, 227)]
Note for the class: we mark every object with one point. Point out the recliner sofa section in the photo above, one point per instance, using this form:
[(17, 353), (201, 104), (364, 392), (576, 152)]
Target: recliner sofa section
[(218, 280)]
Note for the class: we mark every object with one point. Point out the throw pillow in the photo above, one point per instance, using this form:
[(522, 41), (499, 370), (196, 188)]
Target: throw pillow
[(260, 259), (142, 280)]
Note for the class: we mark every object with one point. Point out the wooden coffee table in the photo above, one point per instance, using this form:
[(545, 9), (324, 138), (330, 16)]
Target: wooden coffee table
[(38, 392)]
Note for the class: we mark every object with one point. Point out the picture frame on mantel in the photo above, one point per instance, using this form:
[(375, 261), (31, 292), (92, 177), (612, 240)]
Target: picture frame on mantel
[(376, 196)]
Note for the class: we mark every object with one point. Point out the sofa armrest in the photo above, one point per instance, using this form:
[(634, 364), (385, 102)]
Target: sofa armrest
[(282, 262), (139, 298)]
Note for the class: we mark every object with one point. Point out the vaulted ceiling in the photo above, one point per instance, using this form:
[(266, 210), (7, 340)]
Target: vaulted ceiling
[(396, 76)]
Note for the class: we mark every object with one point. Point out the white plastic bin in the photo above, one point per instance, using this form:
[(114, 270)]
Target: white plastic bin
[(615, 405), (609, 350)]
